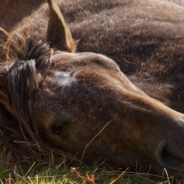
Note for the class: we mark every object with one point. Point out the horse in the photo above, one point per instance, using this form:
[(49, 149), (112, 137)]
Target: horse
[(57, 97)]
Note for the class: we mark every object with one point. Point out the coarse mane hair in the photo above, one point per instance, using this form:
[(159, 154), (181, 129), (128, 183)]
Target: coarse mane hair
[(26, 58)]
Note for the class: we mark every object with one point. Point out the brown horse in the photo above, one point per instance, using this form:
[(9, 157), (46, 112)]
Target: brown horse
[(53, 101)]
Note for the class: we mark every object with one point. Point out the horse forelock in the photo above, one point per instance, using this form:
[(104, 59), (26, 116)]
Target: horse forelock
[(24, 77)]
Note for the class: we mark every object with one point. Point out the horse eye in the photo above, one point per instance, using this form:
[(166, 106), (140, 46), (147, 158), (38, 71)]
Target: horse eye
[(57, 128), (60, 128)]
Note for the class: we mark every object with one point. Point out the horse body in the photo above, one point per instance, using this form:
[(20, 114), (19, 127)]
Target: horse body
[(82, 103), (145, 38), (12, 12)]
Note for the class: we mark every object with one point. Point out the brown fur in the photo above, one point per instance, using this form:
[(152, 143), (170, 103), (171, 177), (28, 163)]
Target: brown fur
[(144, 37), (147, 44)]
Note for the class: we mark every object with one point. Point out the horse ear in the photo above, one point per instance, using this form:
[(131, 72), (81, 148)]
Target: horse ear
[(58, 33)]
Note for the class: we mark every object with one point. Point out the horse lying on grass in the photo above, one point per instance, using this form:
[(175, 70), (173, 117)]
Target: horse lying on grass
[(55, 102)]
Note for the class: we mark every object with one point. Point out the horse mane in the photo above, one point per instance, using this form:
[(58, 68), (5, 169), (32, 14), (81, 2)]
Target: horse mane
[(27, 57)]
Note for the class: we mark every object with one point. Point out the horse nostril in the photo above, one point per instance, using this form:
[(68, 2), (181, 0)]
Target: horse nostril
[(170, 156)]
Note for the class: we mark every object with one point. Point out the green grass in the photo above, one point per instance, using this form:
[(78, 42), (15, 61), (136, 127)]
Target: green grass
[(43, 174)]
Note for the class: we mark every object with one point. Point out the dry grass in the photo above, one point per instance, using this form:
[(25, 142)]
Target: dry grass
[(42, 174)]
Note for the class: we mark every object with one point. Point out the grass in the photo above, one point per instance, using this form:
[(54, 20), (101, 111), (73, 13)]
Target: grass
[(43, 174)]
